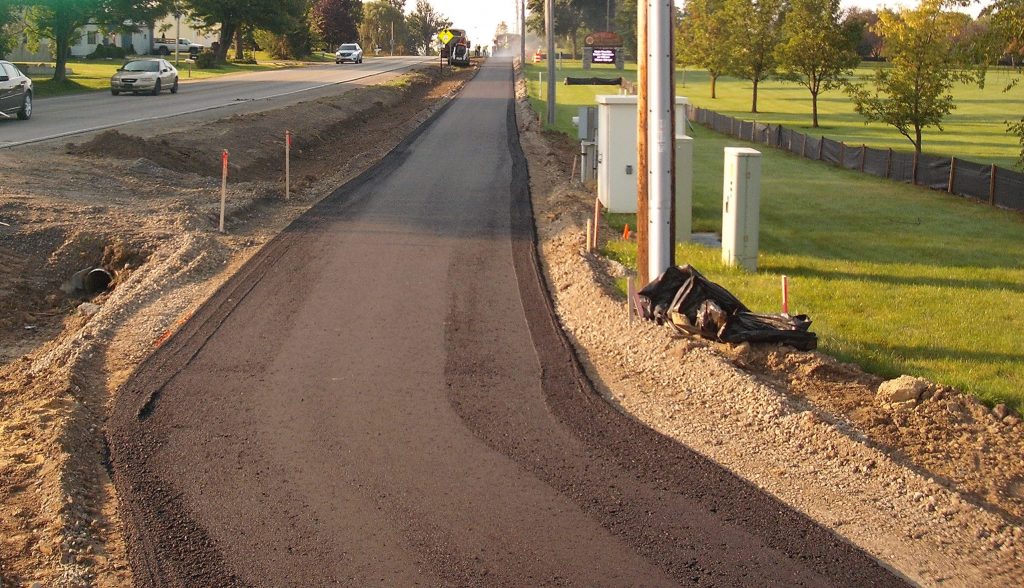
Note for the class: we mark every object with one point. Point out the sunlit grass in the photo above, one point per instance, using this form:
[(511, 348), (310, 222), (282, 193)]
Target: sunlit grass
[(975, 131), (898, 279)]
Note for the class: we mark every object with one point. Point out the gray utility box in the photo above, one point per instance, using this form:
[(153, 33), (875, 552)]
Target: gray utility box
[(741, 207), (616, 149)]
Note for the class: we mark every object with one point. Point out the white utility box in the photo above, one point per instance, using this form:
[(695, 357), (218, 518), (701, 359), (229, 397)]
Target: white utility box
[(684, 188), (741, 207), (616, 149)]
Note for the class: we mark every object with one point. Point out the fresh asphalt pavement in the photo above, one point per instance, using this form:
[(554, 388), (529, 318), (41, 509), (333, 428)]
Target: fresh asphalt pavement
[(79, 113), (382, 396)]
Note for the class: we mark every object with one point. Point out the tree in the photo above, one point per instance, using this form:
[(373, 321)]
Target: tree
[(755, 29), (380, 18), (625, 24), (816, 51), (862, 23), (1007, 31), (235, 17), (59, 21), (7, 37), (424, 24), (700, 38), (336, 21), (914, 92)]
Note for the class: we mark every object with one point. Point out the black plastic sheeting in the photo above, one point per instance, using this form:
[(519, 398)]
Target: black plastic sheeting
[(593, 81), (968, 179), (683, 298)]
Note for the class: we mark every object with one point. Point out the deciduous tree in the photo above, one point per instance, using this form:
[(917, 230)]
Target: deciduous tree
[(913, 93), (700, 38), (816, 51), (233, 17), (424, 24), (336, 21), (375, 30), (755, 30)]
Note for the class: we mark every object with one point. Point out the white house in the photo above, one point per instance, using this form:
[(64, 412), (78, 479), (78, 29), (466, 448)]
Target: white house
[(137, 42)]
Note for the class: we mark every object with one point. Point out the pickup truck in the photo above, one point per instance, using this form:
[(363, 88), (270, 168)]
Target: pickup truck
[(167, 46)]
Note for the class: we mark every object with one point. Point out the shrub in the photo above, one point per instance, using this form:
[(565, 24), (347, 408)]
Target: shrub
[(107, 52), (206, 60)]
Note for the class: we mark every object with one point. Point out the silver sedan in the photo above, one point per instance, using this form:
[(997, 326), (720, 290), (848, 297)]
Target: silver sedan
[(145, 75)]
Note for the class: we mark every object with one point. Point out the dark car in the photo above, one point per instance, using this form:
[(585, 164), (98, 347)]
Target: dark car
[(15, 92)]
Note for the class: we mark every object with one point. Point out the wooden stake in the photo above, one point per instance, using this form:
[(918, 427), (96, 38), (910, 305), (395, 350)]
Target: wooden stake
[(992, 186), (223, 186), (287, 164), (952, 174), (785, 295), (629, 298), (888, 165), (642, 216), (590, 239), (597, 218), (863, 156)]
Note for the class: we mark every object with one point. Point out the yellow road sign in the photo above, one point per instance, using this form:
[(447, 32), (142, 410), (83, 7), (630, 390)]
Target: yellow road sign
[(445, 36)]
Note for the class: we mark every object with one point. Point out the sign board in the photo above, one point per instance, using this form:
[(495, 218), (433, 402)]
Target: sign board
[(604, 55), (445, 36), (603, 39)]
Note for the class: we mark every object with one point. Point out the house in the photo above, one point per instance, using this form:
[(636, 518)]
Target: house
[(137, 42)]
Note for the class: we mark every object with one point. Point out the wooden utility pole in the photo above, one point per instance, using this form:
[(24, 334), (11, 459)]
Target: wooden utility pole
[(549, 28), (642, 220)]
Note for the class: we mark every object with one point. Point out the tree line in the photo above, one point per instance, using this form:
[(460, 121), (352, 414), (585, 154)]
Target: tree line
[(285, 28), (922, 51)]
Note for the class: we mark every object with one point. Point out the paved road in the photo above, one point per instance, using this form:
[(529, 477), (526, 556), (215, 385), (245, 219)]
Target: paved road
[(70, 115), (382, 397)]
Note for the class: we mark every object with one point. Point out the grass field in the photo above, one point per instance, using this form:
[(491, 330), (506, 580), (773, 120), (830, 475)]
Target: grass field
[(93, 75), (897, 279), (975, 131)]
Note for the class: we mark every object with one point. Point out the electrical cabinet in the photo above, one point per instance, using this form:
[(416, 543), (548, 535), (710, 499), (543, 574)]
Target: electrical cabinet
[(616, 149), (741, 207)]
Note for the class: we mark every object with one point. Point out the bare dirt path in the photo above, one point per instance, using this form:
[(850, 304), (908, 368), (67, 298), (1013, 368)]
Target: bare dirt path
[(381, 395)]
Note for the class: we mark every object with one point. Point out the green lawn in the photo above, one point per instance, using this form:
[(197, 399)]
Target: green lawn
[(975, 131), (94, 74), (898, 279)]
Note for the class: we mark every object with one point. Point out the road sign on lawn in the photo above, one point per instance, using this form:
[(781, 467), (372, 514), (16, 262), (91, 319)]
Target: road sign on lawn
[(445, 36)]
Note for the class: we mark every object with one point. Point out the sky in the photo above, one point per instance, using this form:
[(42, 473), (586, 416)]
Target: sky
[(480, 18)]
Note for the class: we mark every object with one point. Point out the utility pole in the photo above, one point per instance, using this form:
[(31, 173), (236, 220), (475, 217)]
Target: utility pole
[(660, 136), (549, 28), (522, 34), (642, 228), (177, 38)]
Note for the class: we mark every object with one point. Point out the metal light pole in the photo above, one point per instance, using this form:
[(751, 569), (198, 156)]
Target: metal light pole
[(177, 37), (660, 136), (549, 28)]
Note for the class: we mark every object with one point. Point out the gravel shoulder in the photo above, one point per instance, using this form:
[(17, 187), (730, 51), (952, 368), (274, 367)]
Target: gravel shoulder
[(934, 489)]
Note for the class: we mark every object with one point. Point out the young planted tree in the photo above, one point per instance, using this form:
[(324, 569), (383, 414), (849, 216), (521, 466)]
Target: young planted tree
[(336, 21), (754, 31), (816, 51), (700, 38), (913, 93), (1007, 29), (424, 24)]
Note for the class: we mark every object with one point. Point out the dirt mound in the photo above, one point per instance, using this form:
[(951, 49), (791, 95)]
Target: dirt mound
[(948, 436)]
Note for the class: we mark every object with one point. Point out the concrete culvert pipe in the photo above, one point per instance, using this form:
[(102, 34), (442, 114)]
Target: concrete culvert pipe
[(97, 280)]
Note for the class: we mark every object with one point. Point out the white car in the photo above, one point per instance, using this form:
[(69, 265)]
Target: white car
[(145, 75), (349, 52)]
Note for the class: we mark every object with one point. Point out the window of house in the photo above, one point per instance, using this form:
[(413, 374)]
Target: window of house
[(90, 38)]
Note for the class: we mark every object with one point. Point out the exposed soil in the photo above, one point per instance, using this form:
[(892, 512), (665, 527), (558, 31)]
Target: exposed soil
[(144, 206), (935, 489)]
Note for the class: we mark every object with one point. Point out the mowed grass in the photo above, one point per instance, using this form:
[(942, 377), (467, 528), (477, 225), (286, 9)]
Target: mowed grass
[(94, 75), (898, 279), (975, 131)]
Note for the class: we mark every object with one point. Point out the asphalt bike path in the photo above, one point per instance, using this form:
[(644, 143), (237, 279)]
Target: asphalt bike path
[(383, 396)]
